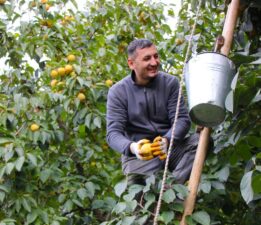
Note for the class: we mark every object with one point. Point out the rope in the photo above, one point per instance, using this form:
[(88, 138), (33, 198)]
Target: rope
[(175, 119)]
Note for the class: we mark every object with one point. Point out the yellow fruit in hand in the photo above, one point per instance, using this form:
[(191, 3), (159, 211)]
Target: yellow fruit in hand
[(61, 71), (34, 127), (53, 83), (146, 149), (54, 74), (71, 58), (81, 97), (108, 83), (68, 68)]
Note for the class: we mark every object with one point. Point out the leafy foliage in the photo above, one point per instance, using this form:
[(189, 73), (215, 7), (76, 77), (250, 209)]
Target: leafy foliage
[(62, 171)]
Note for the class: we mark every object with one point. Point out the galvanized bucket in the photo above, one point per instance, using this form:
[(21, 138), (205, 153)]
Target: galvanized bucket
[(208, 78)]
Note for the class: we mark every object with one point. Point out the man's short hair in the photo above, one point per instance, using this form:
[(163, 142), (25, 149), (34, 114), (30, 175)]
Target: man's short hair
[(138, 44)]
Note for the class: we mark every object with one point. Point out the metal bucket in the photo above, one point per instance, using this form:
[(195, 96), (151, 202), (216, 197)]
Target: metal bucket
[(208, 78)]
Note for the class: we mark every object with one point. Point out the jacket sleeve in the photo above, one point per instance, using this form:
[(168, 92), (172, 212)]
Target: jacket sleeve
[(116, 119), (183, 121)]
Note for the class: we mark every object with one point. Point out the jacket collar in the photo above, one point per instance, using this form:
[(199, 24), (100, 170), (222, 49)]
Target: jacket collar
[(153, 80)]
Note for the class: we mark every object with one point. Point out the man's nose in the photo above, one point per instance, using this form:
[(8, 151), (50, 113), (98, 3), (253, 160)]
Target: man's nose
[(154, 61)]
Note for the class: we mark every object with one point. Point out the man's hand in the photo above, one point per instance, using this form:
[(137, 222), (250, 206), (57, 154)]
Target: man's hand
[(142, 149), (159, 147)]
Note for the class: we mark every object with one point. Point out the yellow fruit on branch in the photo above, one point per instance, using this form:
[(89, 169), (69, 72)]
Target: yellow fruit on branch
[(61, 84), (179, 41), (34, 127), (61, 71), (2, 2), (71, 58), (47, 7), (108, 83), (53, 83), (81, 97), (54, 74), (68, 68)]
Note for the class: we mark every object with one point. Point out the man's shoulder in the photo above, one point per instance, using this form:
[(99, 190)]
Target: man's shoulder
[(119, 85), (168, 77)]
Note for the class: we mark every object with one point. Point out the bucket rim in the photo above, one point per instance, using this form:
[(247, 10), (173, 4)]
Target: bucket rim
[(208, 52)]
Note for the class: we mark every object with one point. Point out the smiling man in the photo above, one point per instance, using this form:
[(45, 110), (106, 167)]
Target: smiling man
[(140, 113)]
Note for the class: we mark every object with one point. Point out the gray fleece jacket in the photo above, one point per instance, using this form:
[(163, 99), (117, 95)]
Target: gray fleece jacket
[(135, 112)]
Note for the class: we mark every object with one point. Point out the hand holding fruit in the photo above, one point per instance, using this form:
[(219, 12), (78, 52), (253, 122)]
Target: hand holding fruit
[(159, 147)]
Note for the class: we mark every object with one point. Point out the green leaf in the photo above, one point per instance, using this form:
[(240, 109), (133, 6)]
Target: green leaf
[(201, 217), (223, 174), (82, 193), (246, 188), (128, 220), (169, 196), (2, 196), (167, 216), (45, 174), (205, 186), (181, 189), (97, 121), (4, 188), (229, 101), (120, 187), (90, 189), (32, 159), (19, 163), (9, 168), (120, 207), (68, 205), (88, 120), (97, 204), (256, 183), (31, 217), (26, 205)]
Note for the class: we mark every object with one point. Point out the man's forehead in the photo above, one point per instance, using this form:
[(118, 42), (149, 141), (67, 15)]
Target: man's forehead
[(146, 51)]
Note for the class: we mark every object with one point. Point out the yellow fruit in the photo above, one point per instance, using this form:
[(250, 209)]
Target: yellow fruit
[(81, 97), (32, 4), (146, 149), (179, 41), (108, 83), (53, 83), (44, 1), (60, 84), (54, 74), (71, 58), (93, 163), (73, 74), (2, 2), (61, 71), (47, 7), (68, 68), (34, 127), (222, 15)]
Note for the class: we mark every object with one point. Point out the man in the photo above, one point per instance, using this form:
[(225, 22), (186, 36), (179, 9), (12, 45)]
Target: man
[(140, 114)]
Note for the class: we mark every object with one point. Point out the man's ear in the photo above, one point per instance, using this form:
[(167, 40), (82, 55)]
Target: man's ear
[(130, 63)]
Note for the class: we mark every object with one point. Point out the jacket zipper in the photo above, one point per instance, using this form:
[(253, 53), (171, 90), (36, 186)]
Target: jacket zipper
[(148, 112)]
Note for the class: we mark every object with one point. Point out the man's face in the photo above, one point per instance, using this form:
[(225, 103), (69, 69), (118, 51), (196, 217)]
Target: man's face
[(145, 63)]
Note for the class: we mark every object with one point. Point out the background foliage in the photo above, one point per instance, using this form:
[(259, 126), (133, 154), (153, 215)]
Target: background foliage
[(64, 172)]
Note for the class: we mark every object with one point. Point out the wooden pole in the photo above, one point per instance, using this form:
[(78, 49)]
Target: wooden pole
[(189, 204)]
